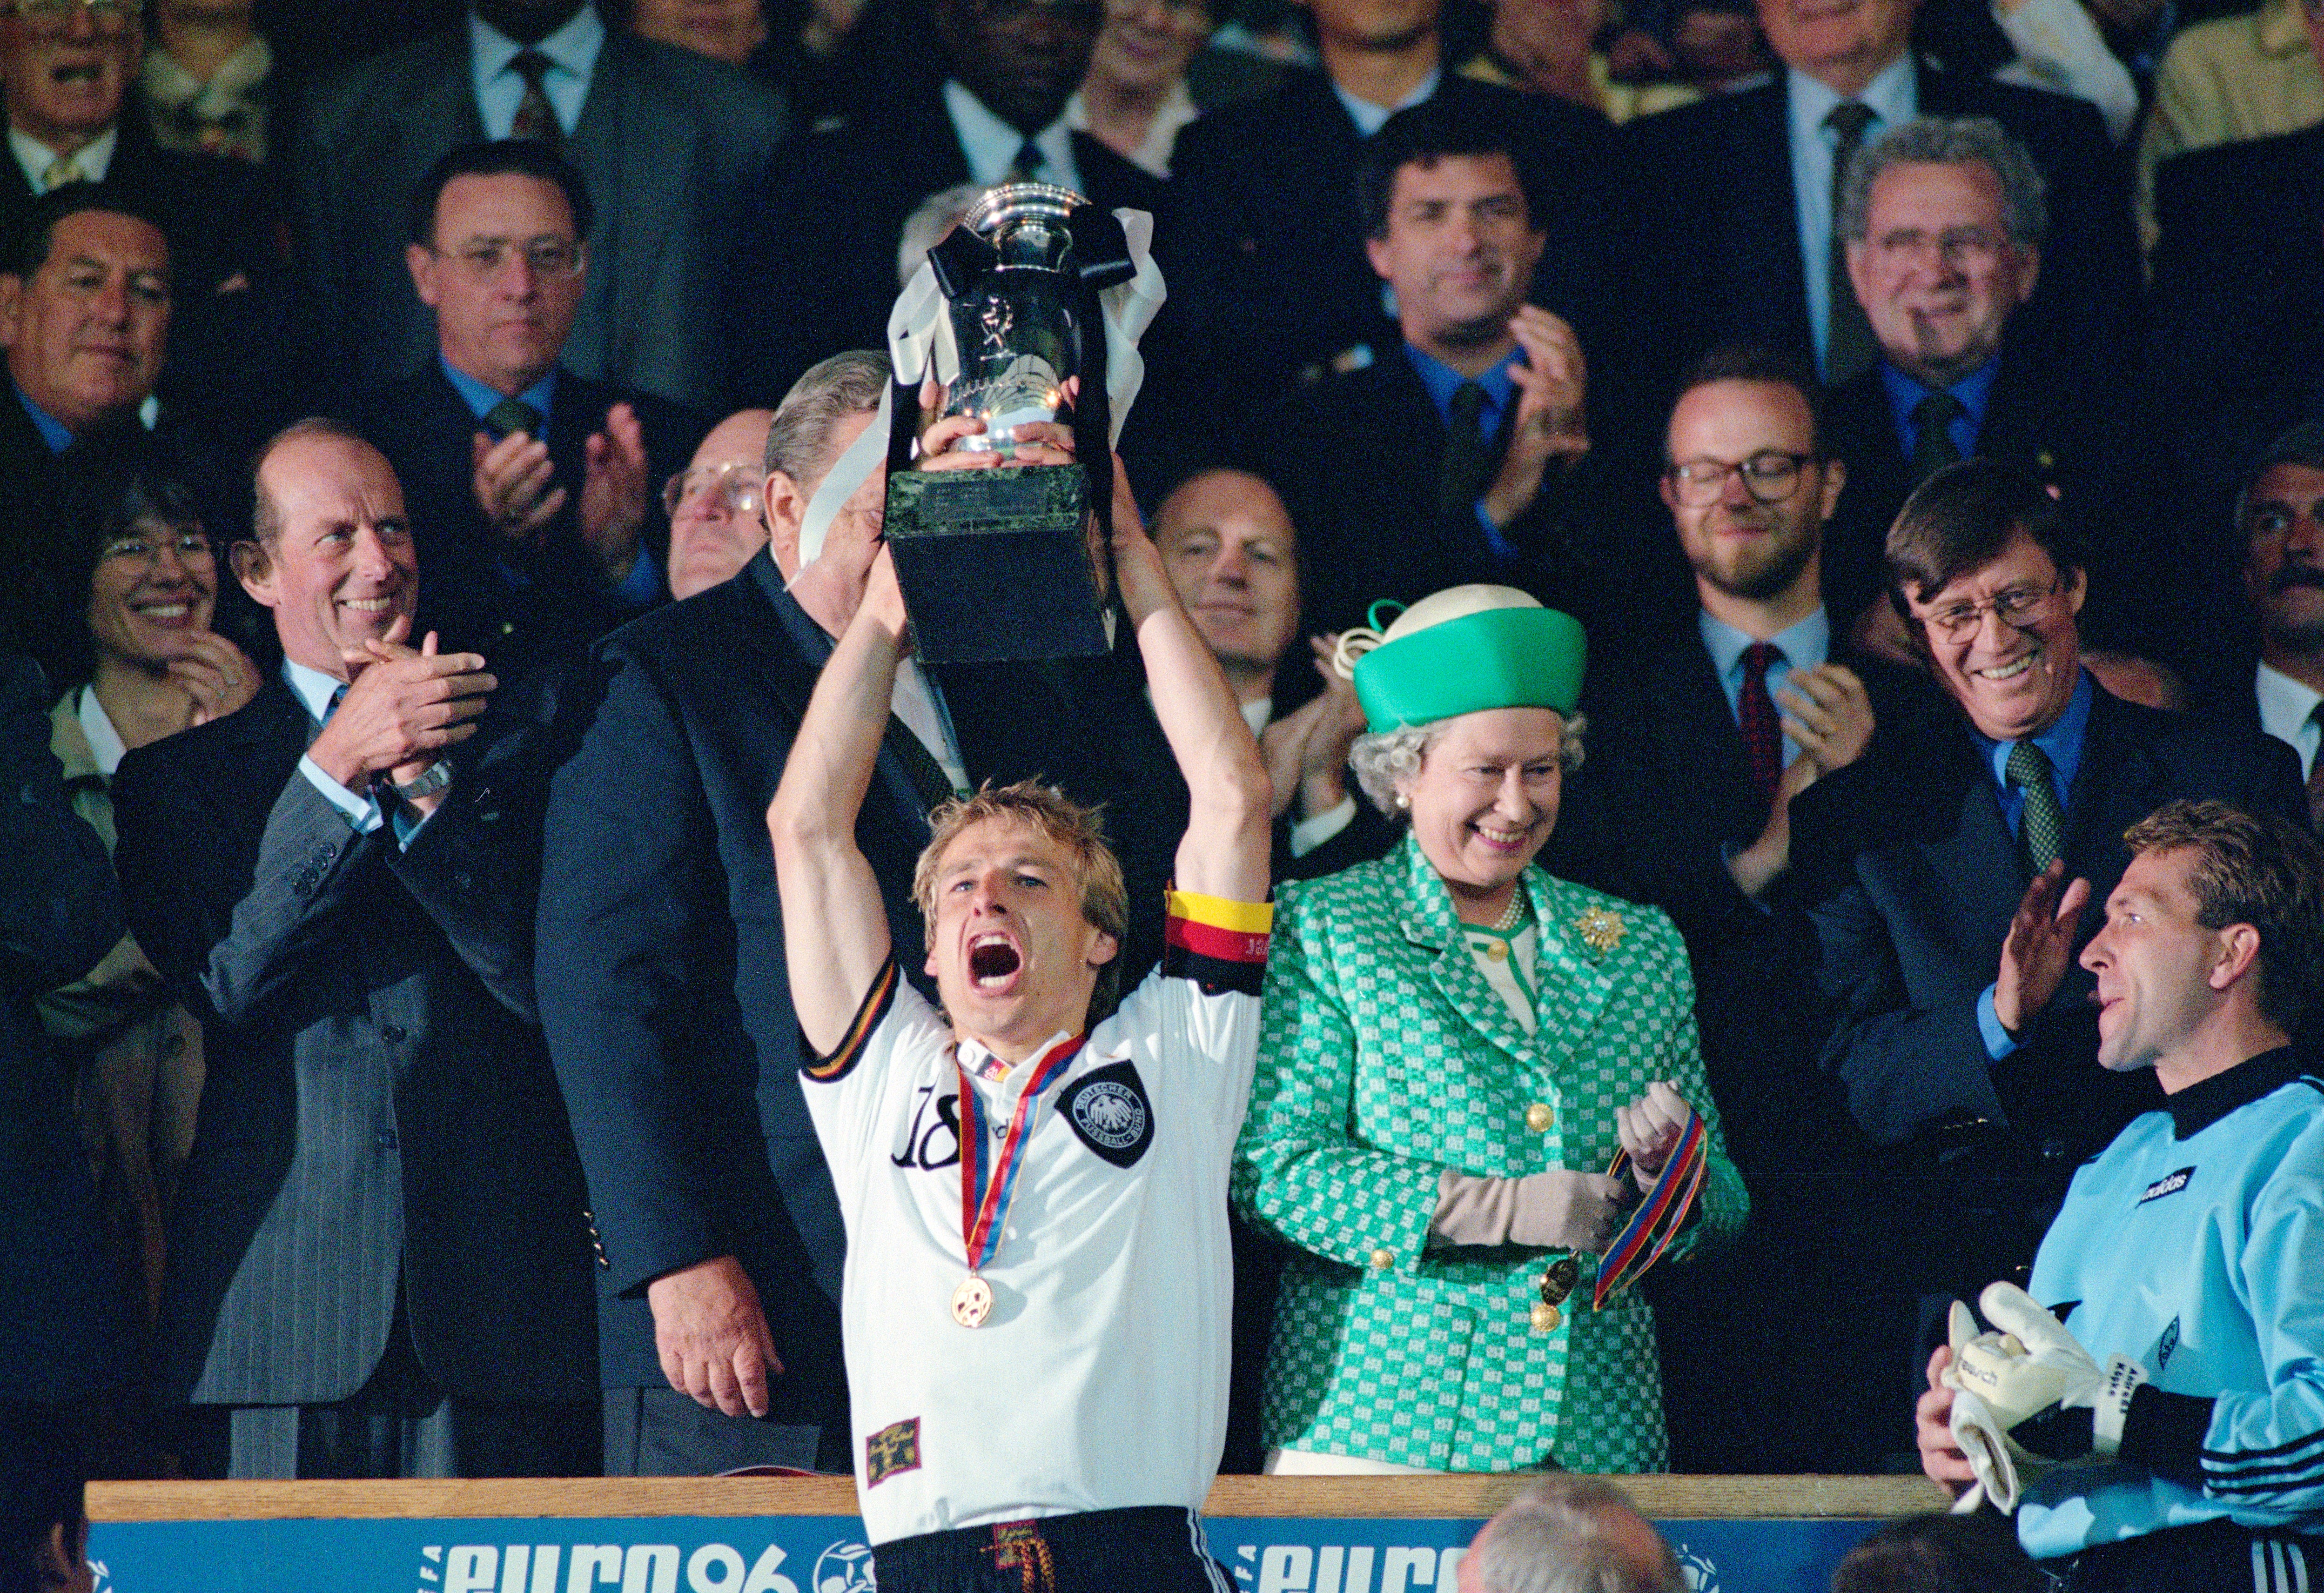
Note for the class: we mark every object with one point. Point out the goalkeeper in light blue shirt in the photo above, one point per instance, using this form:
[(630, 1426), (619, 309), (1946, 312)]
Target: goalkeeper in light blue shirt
[(2153, 1408)]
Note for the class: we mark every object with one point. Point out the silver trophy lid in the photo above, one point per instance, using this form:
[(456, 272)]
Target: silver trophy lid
[(1025, 222)]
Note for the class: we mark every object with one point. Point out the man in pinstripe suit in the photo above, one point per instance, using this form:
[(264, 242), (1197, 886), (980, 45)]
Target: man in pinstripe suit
[(379, 1258)]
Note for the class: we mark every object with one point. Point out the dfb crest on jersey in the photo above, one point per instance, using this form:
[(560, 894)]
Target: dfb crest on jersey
[(1107, 1109)]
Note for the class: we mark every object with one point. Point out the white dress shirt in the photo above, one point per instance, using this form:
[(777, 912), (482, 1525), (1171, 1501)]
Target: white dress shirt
[(572, 51), (1894, 99), (991, 145), (33, 158), (2287, 711)]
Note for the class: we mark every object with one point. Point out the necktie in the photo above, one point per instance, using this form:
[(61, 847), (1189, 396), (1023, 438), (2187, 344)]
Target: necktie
[(1755, 716), (536, 118), (62, 172), (1848, 347), (1933, 448), (1028, 164), (2316, 775), (1461, 477), (2042, 827), (513, 415)]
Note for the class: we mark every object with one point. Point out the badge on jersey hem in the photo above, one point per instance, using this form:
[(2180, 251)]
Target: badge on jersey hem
[(1107, 1109), (894, 1448)]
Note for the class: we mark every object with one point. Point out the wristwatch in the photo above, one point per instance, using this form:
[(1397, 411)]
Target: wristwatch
[(437, 778)]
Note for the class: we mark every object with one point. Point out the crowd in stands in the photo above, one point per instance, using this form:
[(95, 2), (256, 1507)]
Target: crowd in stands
[(413, 573)]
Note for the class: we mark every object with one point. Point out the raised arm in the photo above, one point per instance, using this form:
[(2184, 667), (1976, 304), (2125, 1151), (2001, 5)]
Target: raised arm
[(834, 929), (1224, 853)]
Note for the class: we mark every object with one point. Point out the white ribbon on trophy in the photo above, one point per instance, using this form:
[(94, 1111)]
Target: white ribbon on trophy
[(920, 343)]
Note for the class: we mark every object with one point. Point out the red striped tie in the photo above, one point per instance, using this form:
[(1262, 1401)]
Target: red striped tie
[(1755, 715)]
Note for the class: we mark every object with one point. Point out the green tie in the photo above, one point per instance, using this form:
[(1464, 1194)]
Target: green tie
[(2041, 828), (1933, 448), (512, 415)]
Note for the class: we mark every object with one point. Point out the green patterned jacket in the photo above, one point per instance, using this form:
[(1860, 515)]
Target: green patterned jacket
[(1386, 1058)]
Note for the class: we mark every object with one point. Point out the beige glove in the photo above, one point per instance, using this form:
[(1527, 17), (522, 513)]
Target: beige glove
[(1556, 1210)]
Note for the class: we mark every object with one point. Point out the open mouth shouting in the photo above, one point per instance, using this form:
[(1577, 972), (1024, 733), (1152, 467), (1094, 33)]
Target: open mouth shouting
[(994, 962)]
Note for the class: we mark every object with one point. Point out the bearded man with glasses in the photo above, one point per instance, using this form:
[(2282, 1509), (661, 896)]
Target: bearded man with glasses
[(530, 485), (1753, 703), (1986, 834)]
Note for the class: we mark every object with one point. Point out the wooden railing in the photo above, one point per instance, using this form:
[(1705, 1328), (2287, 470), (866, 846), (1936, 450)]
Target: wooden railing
[(1662, 1498)]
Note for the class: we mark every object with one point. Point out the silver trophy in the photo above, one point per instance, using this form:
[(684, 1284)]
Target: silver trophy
[(1011, 563)]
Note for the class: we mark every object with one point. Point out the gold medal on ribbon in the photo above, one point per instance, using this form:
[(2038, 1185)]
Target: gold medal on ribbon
[(1557, 1281), (987, 1174), (972, 1303)]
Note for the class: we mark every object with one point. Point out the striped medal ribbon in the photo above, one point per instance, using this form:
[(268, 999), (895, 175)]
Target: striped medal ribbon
[(1658, 1218), (988, 1178)]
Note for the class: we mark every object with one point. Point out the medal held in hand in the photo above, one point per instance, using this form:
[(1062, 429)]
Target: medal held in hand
[(1643, 1239), (988, 1177), (1557, 1281)]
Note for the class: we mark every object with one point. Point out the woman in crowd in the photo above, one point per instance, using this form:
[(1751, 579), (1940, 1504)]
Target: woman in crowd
[(147, 666), (1149, 75), (1456, 1046)]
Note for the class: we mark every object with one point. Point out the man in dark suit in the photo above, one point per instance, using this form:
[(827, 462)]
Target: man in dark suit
[(1264, 245), (662, 983), (1734, 195), (1232, 556), (834, 217), (1944, 220), (2280, 513), (1965, 1033), (73, 118), (668, 140), (532, 488), (65, 1332), (378, 1256), (1696, 755), (1464, 452), (660, 965)]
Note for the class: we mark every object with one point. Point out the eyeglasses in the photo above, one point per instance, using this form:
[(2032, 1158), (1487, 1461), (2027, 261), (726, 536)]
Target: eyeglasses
[(2013, 605), (484, 258), (1769, 476), (55, 16), (737, 487), (1957, 246), (190, 548)]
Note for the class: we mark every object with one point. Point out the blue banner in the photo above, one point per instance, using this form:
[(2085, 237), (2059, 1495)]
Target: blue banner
[(826, 1554)]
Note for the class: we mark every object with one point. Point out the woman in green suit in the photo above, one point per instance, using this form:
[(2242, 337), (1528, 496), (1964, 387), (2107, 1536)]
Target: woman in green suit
[(1456, 1048)]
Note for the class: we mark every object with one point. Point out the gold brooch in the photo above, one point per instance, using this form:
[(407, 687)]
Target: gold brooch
[(1599, 930)]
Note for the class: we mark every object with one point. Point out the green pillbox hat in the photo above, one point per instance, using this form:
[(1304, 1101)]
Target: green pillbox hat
[(1467, 649)]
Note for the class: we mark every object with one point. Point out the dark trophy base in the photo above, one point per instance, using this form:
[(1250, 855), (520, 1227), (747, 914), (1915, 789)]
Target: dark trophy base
[(995, 564)]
